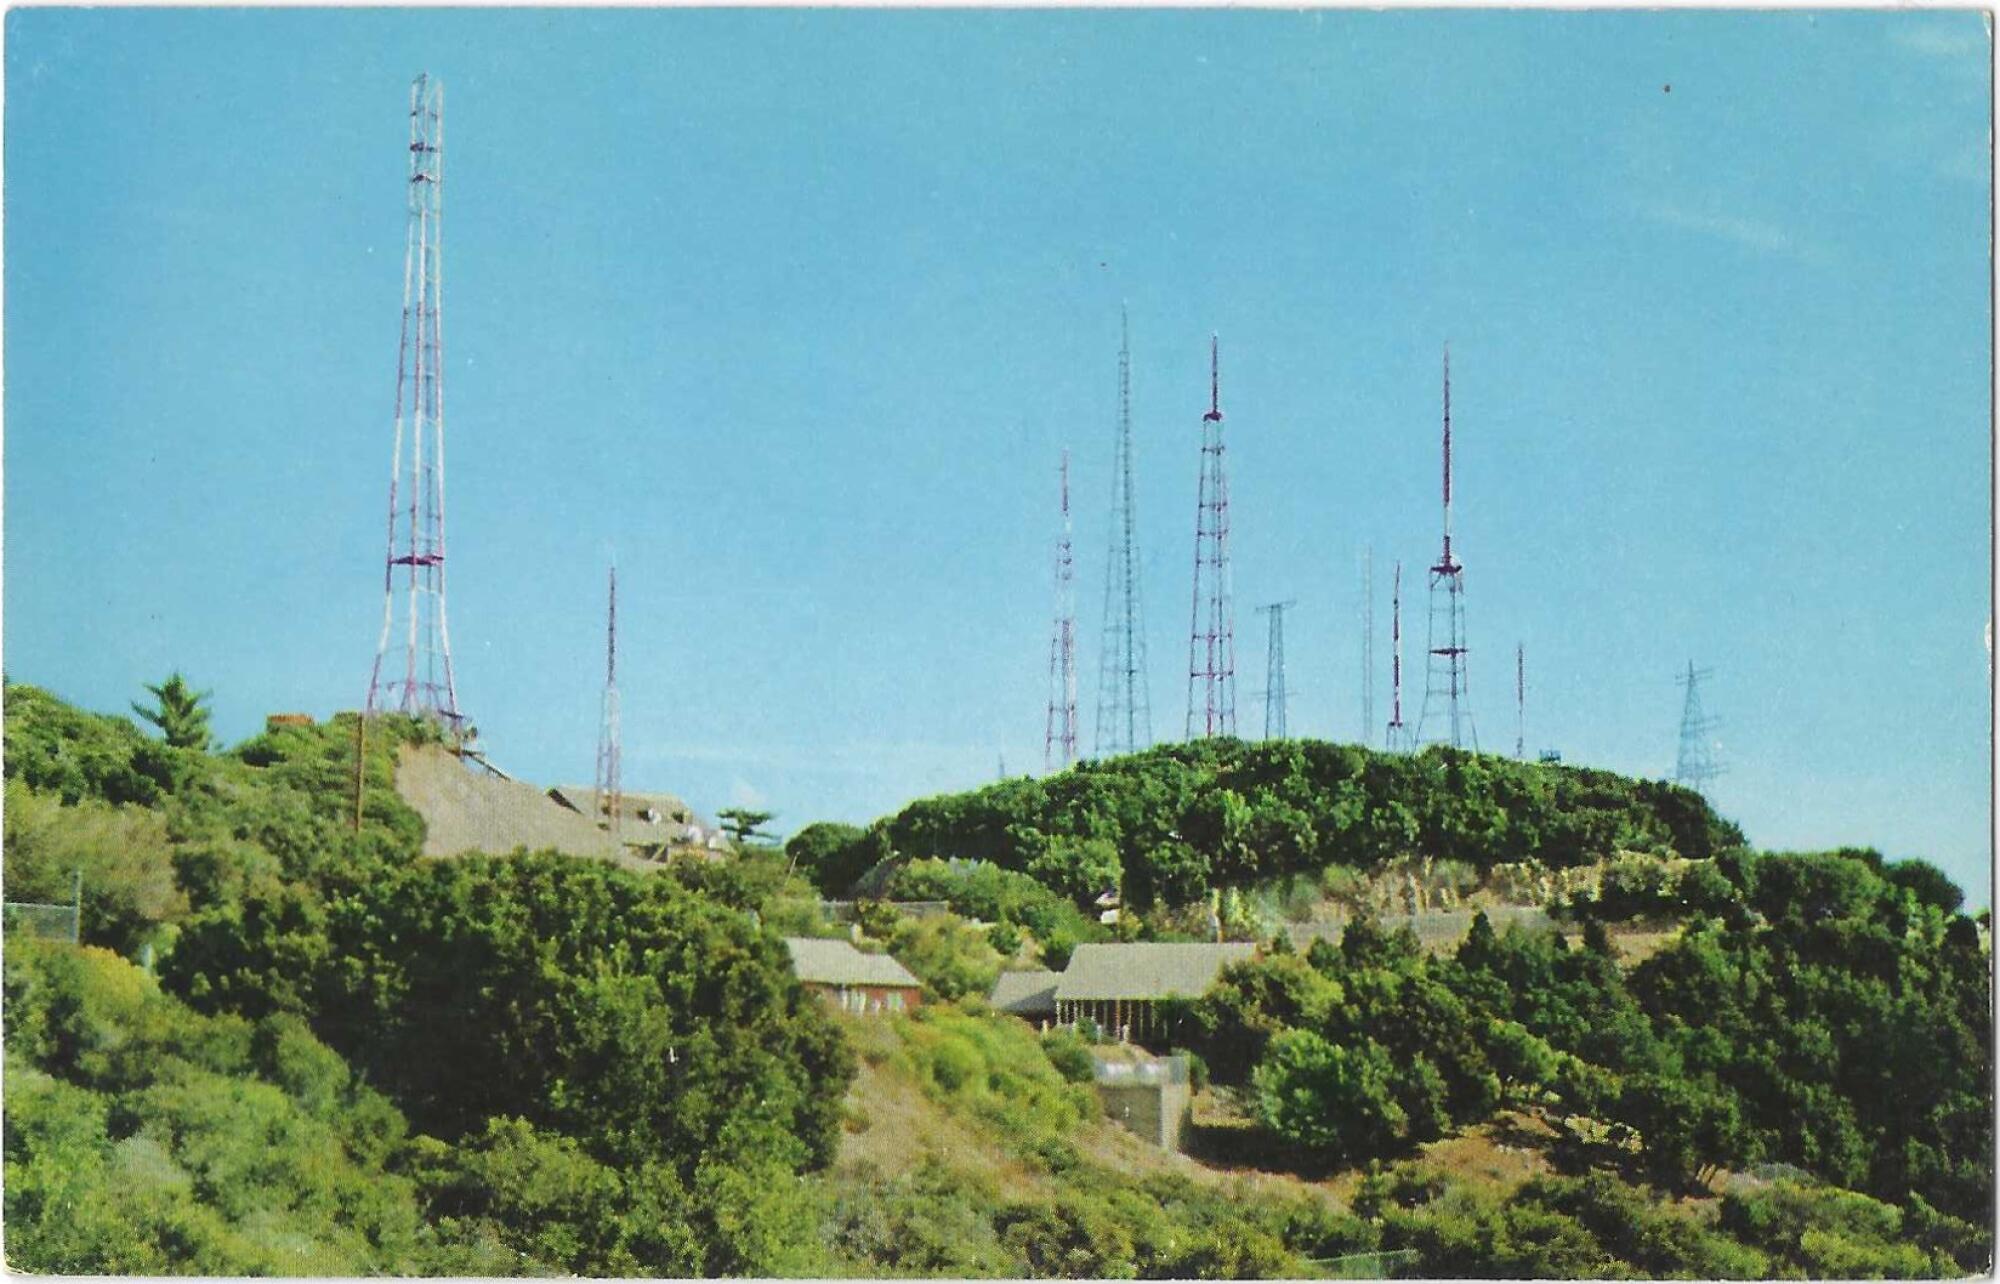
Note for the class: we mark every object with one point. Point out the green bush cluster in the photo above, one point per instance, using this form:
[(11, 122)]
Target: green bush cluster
[(1171, 823), (1842, 1025), (360, 1062)]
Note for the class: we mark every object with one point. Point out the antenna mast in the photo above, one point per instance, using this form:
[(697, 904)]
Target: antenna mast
[(1397, 739), (1520, 702), (1695, 766), (610, 799), (1447, 716), (1059, 735), (1124, 708), (1212, 631), (426, 685), (1275, 690)]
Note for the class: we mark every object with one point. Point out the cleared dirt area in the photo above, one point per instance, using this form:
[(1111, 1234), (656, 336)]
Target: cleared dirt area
[(469, 810)]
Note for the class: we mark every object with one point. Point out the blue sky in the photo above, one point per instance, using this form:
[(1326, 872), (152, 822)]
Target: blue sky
[(795, 311)]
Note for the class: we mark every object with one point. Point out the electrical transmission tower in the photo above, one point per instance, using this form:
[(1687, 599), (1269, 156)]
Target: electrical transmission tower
[(610, 798), (1447, 713), (1124, 709), (420, 681), (1367, 643), (1212, 631), (1696, 764), (1397, 736), (1275, 691), (1520, 702), (1059, 738)]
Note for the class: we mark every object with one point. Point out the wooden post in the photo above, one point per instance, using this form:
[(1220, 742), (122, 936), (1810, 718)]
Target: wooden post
[(76, 907)]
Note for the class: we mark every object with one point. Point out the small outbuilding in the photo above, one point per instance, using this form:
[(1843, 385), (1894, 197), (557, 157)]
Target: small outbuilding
[(863, 984)]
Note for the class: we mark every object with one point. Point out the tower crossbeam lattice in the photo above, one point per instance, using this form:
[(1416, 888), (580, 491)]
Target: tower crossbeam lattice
[(1211, 708), (1695, 765), (1447, 712), (1124, 706), (413, 669), (1276, 693), (1059, 735)]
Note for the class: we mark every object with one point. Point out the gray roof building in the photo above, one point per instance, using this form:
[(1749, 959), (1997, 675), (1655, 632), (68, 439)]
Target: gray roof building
[(1146, 971), (1025, 993), (818, 962)]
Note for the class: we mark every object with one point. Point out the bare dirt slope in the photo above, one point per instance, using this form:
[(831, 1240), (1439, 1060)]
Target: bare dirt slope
[(468, 810)]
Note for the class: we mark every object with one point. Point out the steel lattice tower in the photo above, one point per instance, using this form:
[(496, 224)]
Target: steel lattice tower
[(610, 798), (1447, 714), (1275, 690), (1124, 709), (1212, 630), (1367, 643), (1695, 766), (422, 682), (1520, 702), (1059, 736), (1396, 737)]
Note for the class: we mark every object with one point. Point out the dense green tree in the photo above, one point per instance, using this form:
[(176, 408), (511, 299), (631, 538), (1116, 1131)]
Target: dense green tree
[(179, 711)]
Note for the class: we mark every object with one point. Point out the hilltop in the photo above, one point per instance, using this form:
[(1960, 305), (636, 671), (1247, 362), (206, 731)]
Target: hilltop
[(288, 1043)]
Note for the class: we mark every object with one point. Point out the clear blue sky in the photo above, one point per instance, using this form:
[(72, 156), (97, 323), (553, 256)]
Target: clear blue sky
[(795, 311)]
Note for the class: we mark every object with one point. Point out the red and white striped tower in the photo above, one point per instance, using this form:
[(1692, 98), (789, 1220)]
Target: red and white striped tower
[(1211, 709), (1059, 735), (417, 677), (1447, 714)]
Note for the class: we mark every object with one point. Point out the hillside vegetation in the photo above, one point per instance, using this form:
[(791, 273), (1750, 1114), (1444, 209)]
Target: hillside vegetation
[(345, 1058)]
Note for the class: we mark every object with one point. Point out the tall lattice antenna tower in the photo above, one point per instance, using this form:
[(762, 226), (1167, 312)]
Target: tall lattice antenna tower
[(1520, 701), (1696, 764), (1124, 706), (1059, 738), (1367, 643), (610, 798), (1396, 738), (1211, 709), (1447, 714), (421, 681), (1275, 690)]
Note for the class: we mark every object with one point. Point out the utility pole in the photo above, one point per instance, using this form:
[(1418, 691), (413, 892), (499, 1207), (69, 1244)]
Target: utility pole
[(420, 681), (1059, 734), (1447, 712), (1124, 708), (1211, 709)]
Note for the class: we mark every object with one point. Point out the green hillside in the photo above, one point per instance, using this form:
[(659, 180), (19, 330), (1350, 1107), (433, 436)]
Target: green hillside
[(289, 1044)]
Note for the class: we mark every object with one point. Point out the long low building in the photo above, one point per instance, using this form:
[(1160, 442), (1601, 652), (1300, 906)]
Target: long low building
[(1116, 986)]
